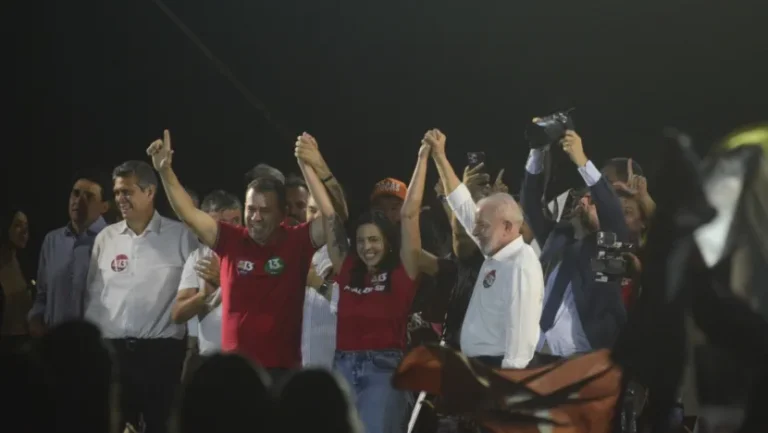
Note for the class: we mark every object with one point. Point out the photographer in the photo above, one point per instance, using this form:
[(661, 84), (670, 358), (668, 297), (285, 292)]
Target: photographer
[(628, 181), (579, 314)]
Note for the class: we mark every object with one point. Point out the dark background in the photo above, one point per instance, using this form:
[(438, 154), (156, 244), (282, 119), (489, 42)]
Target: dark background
[(93, 82)]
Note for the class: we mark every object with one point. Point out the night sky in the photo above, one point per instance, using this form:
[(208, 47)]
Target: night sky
[(93, 82)]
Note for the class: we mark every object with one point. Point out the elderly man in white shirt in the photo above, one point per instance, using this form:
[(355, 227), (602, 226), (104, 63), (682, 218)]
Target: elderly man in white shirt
[(501, 327), (132, 281)]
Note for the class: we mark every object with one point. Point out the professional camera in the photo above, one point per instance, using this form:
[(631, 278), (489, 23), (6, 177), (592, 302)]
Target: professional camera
[(610, 263), (547, 130)]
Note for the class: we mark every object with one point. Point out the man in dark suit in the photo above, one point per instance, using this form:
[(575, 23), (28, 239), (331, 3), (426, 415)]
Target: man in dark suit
[(580, 314)]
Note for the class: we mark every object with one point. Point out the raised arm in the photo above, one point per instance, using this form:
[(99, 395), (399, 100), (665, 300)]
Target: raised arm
[(309, 152), (531, 194), (410, 234), (335, 235), (202, 224), (609, 210), (458, 195)]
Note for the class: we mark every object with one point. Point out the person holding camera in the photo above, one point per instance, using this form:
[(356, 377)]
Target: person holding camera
[(579, 313)]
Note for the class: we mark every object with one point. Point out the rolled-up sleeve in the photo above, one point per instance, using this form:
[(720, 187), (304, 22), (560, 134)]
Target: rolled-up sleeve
[(463, 207)]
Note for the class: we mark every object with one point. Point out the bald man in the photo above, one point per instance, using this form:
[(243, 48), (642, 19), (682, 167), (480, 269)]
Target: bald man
[(501, 327)]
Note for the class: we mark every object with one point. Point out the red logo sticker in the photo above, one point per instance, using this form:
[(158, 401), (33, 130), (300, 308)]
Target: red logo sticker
[(489, 279), (119, 263)]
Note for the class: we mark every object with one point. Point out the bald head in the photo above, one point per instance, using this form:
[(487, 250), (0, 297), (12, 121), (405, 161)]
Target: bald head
[(498, 222)]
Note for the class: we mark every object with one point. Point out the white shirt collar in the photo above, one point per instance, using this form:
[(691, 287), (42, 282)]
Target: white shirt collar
[(508, 250), (153, 226)]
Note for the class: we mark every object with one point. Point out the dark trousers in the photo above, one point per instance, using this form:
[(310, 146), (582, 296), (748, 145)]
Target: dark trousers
[(490, 361), (150, 372), (542, 359), (192, 360)]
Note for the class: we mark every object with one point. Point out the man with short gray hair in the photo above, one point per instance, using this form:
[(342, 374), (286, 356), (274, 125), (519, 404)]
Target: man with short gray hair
[(132, 281), (501, 327)]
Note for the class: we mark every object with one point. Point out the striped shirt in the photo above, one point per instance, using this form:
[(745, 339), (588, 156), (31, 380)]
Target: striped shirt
[(318, 339)]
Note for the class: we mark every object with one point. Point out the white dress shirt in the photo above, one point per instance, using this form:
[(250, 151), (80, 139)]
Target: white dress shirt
[(133, 279), (318, 336), (208, 328), (567, 336), (505, 308)]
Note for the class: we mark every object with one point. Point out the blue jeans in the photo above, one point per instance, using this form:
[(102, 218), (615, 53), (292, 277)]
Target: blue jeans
[(382, 408)]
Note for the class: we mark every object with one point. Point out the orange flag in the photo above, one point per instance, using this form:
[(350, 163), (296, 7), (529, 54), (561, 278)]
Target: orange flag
[(577, 395)]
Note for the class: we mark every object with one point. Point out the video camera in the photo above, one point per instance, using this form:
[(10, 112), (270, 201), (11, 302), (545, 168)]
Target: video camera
[(610, 263), (544, 131)]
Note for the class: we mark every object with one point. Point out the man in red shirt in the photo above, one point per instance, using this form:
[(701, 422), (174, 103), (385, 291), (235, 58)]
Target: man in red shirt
[(263, 265)]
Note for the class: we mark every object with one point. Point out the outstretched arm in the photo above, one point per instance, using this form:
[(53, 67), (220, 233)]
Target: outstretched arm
[(335, 236), (410, 243), (202, 224), (308, 151), (459, 197)]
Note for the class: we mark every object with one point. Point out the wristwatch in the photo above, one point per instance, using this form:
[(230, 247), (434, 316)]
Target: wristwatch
[(324, 287)]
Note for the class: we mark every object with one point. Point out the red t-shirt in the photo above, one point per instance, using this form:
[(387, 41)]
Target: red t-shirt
[(262, 289), (374, 317)]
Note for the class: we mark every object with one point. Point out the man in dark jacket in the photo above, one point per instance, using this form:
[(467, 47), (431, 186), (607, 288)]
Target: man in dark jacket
[(580, 314)]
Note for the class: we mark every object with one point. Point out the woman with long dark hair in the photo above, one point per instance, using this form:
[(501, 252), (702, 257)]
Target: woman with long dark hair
[(376, 285), (14, 286)]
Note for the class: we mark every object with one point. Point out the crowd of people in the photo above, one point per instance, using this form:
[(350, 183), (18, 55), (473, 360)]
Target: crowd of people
[(277, 312)]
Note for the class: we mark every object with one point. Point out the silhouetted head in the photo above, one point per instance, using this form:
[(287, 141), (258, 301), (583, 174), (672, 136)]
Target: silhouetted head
[(226, 394), (83, 378), (318, 401)]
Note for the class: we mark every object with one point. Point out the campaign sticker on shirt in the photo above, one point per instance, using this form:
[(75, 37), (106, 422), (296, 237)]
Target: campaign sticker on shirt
[(119, 263), (244, 267), (489, 279), (274, 266)]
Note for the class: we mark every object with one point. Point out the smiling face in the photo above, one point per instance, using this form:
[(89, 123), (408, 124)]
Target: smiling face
[(133, 201), (263, 214), (371, 245), (489, 228)]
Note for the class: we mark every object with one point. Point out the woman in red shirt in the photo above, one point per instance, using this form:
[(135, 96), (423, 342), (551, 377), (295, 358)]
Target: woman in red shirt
[(376, 286)]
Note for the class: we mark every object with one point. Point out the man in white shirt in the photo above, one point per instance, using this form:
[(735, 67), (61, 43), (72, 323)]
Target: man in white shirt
[(501, 327), (199, 295), (132, 281), (318, 335)]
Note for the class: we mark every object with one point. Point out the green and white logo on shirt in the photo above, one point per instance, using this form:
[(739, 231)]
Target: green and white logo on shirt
[(274, 266)]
